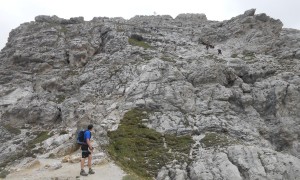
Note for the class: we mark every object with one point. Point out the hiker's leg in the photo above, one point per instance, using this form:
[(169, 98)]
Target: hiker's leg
[(82, 163), (90, 161), (82, 172)]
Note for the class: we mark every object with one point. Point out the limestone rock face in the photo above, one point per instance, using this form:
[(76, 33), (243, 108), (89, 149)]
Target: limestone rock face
[(191, 19), (244, 162), (250, 12), (59, 75)]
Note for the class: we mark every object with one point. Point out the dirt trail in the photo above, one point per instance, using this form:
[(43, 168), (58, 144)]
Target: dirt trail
[(68, 171)]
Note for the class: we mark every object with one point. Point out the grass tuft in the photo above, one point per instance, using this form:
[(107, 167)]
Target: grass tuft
[(60, 98), (62, 132), (3, 173), (167, 59), (234, 55), (130, 177), (213, 139), (12, 130), (135, 42), (41, 136), (51, 156)]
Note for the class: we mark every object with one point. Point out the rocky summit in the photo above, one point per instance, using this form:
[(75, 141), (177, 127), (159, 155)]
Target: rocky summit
[(222, 99)]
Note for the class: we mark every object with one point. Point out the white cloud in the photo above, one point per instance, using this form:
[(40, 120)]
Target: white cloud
[(15, 12)]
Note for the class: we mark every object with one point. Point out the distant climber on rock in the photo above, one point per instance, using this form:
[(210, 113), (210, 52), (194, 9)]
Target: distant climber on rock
[(219, 52), (67, 57)]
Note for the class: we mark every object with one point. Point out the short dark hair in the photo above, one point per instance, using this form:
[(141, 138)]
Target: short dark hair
[(90, 127)]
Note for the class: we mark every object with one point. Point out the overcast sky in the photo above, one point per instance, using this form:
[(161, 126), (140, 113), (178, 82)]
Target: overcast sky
[(15, 12)]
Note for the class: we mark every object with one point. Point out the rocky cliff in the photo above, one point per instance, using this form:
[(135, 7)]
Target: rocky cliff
[(240, 107)]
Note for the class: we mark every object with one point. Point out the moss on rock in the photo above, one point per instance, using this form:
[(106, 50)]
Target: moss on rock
[(135, 42), (141, 150), (3, 173), (11, 129), (41, 136), (212, 139)]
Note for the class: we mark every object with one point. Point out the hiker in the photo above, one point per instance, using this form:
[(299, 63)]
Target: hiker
[(219, 52), (67, 57), (87, 150)]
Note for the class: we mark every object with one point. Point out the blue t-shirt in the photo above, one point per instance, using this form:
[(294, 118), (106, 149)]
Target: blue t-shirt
[(87, 135)]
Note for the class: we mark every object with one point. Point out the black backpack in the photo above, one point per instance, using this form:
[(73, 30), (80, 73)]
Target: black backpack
[(80, 137)]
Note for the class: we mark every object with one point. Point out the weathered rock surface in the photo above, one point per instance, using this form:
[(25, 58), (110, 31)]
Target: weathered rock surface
[(57, 74)]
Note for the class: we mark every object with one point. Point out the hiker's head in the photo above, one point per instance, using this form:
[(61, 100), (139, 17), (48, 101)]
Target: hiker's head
[(90, 127)]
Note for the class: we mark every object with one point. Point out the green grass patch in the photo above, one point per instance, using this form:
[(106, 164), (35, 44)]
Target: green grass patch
[(60, 98), (135, 42), (248, 55), (147, 57), (28, 148), (3, 173), (168, 59), (62, 132), (234, 55), (41, 136), (141, 150), (12, 130), (51, 156), (213, 139), (180, 143), (73, 73), (12, 158), (120, 29), (63, 29), (131, 177)]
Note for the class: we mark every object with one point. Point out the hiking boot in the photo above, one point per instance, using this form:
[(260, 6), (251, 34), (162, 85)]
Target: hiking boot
[(91, 171), (83, 173)]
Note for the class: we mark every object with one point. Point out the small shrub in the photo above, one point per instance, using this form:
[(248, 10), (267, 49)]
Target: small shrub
[(234, 55), (14, 156), (147, 57), (62, 132), (63, 29), (29, 153), (38, 151), (3, 173), (41, 136), (248, 53), (73, 73), (12, 130), (180, 143), (120, 29), (135, 42), (60, 98), (51, 133), (18, 141), (168, 59), (212, 139), (51, 156)]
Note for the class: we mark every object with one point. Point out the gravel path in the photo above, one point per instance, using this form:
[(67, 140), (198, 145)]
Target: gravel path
[(68, 171)]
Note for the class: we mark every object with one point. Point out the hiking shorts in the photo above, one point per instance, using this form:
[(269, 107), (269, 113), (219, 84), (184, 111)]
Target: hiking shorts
[(85, 151)]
